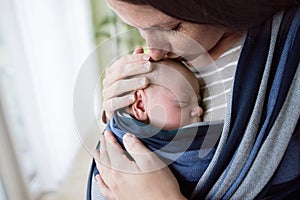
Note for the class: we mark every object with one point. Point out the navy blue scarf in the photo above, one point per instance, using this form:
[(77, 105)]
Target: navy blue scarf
[(180, 149), (247, 81)]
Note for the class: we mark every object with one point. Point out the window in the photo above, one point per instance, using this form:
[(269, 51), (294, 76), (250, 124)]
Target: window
[(42, 47)]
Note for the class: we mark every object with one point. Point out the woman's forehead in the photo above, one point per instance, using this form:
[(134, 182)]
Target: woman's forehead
[(141, 16)]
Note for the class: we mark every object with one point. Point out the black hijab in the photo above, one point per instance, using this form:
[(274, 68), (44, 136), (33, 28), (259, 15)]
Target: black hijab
[(239, 14)]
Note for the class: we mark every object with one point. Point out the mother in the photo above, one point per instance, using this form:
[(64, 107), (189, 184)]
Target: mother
[(258, 152)]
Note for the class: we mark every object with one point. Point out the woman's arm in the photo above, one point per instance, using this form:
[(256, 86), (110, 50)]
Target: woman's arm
[(147, 177)]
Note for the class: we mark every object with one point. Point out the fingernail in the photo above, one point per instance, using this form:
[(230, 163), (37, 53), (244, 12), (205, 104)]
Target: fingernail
[(131, 98), (97, 178), (146, 65), (105, 134), (128, 137), (108, 135), (142, 81), (146, 57)]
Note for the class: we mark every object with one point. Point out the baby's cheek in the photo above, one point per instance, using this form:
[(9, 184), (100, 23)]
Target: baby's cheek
[(168, 117), (186, 118), (158, 116), (157, 111), (174, 119)]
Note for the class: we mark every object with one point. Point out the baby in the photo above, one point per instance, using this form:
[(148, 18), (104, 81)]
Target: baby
[(161, 118), (172, 98)]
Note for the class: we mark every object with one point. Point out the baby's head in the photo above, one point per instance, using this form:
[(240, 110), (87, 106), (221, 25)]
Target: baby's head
[(172, 98)]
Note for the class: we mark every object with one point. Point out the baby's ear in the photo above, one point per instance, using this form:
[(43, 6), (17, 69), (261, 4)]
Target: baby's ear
[(139, 106)]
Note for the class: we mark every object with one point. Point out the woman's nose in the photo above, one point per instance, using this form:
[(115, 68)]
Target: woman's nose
[(157, 54), (157, 43)]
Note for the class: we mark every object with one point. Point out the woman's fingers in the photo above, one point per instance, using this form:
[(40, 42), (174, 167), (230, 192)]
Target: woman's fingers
[(117, 156), (123, 86), (112, 95), (104, 189), (146, 160), (119, 81), (116, 103), (127, 66), (103, 167), (117, 184), (103, 157), (109, 160), (114, 150), (138, 50), (112, 156)]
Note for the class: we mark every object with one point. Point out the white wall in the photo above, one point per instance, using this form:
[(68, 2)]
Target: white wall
[(47, 41)]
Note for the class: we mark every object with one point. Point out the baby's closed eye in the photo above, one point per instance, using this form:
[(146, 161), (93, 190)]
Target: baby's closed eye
[(182, 103)]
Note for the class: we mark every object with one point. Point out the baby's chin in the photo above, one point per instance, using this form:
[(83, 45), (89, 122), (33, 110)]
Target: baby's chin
[(175, 126), (172, 125), (194, 121), (167, 127)]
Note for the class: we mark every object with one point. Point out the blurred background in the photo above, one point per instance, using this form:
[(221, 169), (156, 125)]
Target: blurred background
[(44, 46)]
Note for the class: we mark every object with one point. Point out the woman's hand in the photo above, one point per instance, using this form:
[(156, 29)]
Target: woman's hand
[(119, 82), (147, 177)]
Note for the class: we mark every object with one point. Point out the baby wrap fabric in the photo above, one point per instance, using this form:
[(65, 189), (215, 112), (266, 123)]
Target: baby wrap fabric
[(178, 148), (261, 128)]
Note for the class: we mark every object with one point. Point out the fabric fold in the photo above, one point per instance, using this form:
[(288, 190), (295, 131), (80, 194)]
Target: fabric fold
[(268, 64)]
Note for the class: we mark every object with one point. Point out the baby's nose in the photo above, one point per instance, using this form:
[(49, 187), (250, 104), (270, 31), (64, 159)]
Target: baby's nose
[(197, 112)]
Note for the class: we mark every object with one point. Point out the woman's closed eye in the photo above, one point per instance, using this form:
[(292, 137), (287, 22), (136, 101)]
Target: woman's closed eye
[(177, 27)]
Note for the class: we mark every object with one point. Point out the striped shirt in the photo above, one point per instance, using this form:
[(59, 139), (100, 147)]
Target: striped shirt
[(216, 80)]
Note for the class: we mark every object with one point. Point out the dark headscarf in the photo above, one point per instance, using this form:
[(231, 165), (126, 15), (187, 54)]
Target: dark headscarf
[(239, 14)]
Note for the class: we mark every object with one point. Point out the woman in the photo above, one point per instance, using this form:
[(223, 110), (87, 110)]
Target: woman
[(257, 155)]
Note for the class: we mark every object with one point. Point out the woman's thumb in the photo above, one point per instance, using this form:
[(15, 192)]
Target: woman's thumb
[(133, 145), (145, 159)]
